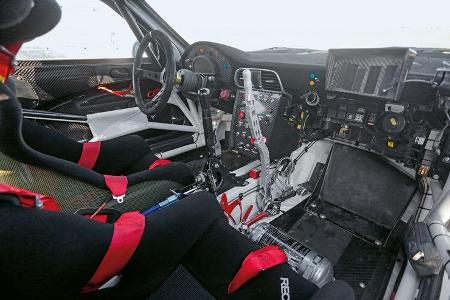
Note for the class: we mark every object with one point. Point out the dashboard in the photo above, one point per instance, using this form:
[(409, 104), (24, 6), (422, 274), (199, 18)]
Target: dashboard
[(206, 59), (384, 100)]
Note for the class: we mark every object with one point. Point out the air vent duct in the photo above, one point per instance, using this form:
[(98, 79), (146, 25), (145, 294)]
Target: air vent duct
[(262, 79)]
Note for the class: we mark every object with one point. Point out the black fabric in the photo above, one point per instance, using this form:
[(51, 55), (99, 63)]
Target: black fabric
[(143, 163), (117, 156), (46, 255), (120, 156), (13, 12), (44, 15), (181, 285), (49, 142)]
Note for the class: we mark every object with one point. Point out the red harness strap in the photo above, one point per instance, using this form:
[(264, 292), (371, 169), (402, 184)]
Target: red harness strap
[(128, 230), (117, 185), (90, 154), (159, 163), (257, 261), (28, 199)]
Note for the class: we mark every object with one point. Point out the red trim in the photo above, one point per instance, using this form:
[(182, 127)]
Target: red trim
[(6, 66), (159, 163), (90, 154), (228, 208), (257, 218), (117, 185), (247, 213), (27, 198), (127, 234), (116, 92), (257, 261), (152, 93), (254, 173)]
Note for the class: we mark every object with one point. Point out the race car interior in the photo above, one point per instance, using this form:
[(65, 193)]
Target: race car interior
[(340, 157)]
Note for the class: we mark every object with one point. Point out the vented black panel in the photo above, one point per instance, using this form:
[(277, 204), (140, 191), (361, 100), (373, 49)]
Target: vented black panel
[(389, 79), (266, 80), (371, 72), (372, 79), (270, 81), (348, 76)]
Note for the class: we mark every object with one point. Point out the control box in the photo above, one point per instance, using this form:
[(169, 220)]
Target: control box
[(281, 138)]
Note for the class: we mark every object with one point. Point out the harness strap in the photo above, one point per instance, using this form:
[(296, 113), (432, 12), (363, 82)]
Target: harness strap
[(90, 154), (117, 185), (128, 230), (257, 261), (159, 163)]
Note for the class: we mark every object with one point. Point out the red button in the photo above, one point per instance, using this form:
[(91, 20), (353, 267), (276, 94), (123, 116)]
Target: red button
[(241, 115), (224, 94), (254, 173), (252, 140)]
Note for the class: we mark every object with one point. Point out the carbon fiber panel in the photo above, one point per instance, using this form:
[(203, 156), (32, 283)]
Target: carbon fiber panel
[(73, 194), (50, 82), (75, 131)]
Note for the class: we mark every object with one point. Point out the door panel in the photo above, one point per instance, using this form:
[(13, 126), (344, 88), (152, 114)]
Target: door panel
[(51, 80), (71, 87)]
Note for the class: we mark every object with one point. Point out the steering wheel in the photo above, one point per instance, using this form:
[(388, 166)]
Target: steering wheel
[(165, 76)]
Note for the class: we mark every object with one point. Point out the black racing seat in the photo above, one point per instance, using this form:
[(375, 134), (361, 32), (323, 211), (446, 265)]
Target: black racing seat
[(34, 158), (73, 185), (120, 156)]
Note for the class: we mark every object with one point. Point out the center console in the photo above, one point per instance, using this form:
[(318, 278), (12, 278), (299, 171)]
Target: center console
[(271, 102)]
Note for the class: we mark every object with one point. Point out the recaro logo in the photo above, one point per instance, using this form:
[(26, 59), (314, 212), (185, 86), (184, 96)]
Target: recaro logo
[(285, 294)]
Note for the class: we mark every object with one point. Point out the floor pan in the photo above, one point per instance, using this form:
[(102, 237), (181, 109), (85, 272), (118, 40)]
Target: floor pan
[(362, 194), (364, 266)]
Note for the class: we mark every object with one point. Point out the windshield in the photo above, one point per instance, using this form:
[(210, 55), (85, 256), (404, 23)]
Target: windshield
[(261, 24)]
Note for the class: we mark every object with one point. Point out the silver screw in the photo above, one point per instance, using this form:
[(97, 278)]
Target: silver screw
[(435, 176), (313, 205), (446, 159), (362, 285), (378, 243), (322, 216)]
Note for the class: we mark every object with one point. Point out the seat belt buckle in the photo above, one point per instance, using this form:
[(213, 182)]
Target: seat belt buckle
[(119, 199)]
